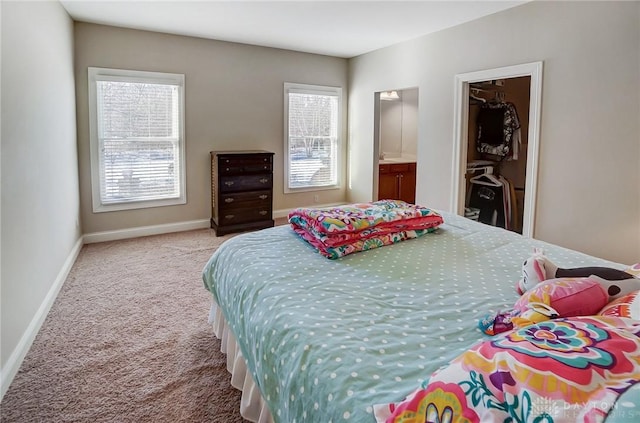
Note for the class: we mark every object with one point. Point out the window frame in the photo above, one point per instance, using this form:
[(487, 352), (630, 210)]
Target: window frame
[(96, 74), (290, 87)]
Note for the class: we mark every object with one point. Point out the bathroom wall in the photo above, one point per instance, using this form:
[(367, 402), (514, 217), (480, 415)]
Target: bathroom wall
[(399, 125)]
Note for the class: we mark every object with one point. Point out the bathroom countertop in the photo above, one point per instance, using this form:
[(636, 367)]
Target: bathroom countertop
[(394, 160)]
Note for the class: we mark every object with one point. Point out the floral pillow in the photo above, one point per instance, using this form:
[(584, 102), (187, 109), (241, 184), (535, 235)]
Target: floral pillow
[(627, 306), (562, 370)]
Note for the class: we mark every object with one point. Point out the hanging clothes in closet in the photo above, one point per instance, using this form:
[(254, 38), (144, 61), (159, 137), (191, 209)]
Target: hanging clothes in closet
[(498, 130), (493, 197)]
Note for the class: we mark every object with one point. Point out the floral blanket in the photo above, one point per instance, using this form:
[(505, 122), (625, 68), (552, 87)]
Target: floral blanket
[(343, 230), (563, 370)]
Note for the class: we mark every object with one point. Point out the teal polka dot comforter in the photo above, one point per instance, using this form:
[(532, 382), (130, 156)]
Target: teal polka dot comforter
[(325, 340)]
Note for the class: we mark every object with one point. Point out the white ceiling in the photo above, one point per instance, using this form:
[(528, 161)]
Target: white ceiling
[(335, 28)]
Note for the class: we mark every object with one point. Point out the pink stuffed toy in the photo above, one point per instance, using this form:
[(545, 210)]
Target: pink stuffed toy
[(553, 298), (549, 291)]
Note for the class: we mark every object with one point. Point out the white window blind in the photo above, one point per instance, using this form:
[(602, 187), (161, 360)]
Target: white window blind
[(137, 137), (312, 140)]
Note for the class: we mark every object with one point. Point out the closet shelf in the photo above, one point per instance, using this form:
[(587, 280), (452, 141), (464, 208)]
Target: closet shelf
[(486, 87)]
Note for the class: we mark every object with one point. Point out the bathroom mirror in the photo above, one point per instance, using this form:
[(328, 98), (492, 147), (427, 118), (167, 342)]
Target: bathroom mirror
[(398, 133)]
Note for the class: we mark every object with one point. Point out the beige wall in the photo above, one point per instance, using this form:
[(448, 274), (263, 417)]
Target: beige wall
[(589, 179), (40, 202), (234, 100)]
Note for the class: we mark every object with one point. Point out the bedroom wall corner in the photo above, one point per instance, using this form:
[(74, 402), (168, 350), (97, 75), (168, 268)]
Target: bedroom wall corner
[(40, 208), (589, 118)]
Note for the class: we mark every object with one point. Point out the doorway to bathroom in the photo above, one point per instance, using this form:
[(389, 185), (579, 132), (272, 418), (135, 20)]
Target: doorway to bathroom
[(396, 142)]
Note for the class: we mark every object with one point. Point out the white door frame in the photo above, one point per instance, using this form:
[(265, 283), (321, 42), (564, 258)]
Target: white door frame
[(461, 134)]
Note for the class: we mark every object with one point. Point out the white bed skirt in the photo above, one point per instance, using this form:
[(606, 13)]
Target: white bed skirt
[(252, 406)]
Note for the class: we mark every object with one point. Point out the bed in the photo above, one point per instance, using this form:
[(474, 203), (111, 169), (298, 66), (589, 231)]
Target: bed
[(313, 339)]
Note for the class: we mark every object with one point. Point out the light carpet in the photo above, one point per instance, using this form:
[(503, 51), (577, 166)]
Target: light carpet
[(127, 340)]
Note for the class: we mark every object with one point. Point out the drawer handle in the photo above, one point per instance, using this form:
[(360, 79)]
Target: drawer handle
[(263, 197), (226, 161), (228, 169), (266, 167), (230, 216), (228, 200), (229, 183), (265, 159), (264, 180), (263, 212)]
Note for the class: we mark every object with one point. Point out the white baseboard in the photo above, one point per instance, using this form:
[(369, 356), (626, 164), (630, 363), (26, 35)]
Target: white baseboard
[(11, 367), (145, 231)]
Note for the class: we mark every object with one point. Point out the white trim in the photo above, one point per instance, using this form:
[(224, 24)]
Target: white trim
[(106, 74), (145, 231), (11, 367), (460, 137), (291, 87)]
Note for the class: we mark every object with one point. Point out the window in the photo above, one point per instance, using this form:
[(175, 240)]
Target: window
[(137, 139), (312, 137)]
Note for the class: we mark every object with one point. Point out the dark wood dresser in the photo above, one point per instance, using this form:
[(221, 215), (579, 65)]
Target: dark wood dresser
[(241, 190)]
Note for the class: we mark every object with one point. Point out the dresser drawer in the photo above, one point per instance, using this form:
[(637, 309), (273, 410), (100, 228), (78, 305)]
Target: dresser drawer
[(236, 165), (239, 200), (245, 183), (230, 217)]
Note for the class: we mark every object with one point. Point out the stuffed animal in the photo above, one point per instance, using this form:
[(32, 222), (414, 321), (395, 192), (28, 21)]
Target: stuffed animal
[(562, 297), (538, 268), (549, 291)]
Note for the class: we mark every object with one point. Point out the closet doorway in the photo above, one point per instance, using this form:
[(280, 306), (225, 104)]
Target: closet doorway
[(497, 121)]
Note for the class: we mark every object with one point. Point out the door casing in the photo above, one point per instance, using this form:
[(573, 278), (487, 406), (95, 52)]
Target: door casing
[(461, 133)]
